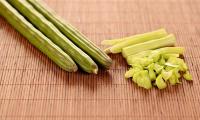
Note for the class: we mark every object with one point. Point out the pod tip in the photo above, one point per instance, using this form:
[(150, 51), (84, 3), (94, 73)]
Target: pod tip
[(75, 68), (95, 71)]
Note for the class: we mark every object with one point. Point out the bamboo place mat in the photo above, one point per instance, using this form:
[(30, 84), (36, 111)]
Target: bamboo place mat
[(33, 87)]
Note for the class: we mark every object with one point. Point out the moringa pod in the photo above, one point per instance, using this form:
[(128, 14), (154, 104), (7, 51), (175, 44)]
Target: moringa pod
[(36, 38), (73, 34), (47, 28)]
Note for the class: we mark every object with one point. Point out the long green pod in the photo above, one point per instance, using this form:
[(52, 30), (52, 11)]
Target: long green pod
[(36, 38), (81, 58), (74, 35)]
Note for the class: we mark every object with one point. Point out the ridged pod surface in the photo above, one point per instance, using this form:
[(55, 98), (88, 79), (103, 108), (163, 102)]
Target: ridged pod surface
[(73, 34), (47, 28), (36, 38)]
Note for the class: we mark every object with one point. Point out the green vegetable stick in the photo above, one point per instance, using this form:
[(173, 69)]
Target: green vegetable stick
[(117, 48), (153, 44), (73, 34), (36, 38), (135, 39), (171, 50), (81, 58), (167, 56)]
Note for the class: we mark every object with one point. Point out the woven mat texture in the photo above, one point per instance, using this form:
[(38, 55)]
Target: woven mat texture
[(33, 87)]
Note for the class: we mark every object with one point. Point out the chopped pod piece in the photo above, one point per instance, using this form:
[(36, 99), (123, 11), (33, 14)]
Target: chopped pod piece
[(151, 66), (136, 68), (160, 83), (143, 79), (152, 75), (187, 76), (176, 72), (178, 61), (135, 77), (158, 68), (173, 80), (184, 67), (166, 74), (129, 73), (161, 61)]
